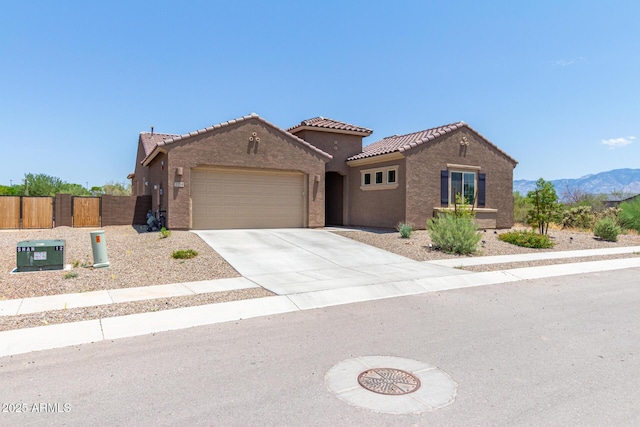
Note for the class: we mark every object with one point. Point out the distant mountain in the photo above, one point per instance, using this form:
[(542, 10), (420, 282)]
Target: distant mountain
[(619, 180)]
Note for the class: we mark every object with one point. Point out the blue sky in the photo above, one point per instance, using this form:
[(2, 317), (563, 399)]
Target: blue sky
[(555, 84)]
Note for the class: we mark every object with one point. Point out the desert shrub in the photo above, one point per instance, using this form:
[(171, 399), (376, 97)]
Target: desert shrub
[(71, 275), (184, 254), (629, 216), (610, 212), (607, 229), (527, 239), (164, 233), (453, 234), (405, 230), (578, 217)]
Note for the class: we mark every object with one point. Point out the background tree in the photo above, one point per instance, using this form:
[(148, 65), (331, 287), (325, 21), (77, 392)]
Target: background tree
[(73, 189), (544, 206), (46, 185), (521, 206), (575, 197), (117, 189), (41, 185), (11, 190)]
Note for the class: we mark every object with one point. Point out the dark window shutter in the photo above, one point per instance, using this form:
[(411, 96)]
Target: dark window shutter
[(482, 189), (444, 188)]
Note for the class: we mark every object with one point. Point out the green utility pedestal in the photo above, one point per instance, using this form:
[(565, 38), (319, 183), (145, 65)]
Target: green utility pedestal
[(37, 255), (99, 247)]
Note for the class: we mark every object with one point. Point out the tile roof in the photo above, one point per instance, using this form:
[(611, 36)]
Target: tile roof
[(150, 140), (325, 123), (402, 143), (170, 139)]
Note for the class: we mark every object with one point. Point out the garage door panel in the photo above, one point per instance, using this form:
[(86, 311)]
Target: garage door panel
[(246, 199)]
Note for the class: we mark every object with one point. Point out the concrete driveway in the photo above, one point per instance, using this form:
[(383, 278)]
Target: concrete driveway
[(291, 261)]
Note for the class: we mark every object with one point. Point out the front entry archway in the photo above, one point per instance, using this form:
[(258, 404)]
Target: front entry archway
[(333, 199)]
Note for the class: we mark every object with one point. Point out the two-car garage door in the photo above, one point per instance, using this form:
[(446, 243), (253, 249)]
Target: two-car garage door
[(243, 198)]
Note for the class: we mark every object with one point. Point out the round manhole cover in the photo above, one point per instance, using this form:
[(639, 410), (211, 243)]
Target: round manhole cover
[(388, 381)]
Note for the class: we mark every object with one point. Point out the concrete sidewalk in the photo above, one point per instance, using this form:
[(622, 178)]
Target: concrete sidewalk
[(537, 256), (54, 336)]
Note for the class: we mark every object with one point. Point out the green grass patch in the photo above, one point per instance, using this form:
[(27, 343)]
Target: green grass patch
[(184, 254), (71, 275), (527, 239)]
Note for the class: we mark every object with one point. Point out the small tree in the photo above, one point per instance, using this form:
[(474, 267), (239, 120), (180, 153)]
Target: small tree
[(544, 206), (462, 208)]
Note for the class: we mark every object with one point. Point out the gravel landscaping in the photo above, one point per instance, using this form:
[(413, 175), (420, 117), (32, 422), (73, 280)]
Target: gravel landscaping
[(417, 247), (139, 258)]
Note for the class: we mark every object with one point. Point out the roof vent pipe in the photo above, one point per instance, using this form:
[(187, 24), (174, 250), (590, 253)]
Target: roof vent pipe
[(151, 130)]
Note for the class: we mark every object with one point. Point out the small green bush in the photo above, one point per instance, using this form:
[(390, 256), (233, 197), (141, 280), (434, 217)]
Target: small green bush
[(578, 217), (164, 233), (630, 214), (405, 230), (453, 234), (71, 275), (184, 254), (607, 229), (527, 239)]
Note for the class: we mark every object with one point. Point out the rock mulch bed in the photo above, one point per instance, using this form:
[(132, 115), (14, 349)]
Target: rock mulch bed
[(417, 247), (139, 258)]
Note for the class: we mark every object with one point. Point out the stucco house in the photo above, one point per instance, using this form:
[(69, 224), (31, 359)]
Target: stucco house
[(249, 173)]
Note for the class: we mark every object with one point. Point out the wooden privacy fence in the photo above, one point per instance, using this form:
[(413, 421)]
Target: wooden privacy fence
[(37, 212), (86, 212), (26, 212), (10, 212), (65, 210)]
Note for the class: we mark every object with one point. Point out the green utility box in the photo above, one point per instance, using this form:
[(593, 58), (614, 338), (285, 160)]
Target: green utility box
[(37, 255)]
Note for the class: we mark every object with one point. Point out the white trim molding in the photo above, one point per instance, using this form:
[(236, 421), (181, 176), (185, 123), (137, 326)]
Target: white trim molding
[(384, 184)]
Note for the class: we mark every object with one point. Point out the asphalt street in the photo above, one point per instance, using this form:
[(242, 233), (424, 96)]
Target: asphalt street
[(558, 351)]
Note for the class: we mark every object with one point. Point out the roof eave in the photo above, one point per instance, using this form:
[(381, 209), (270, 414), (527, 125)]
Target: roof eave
[(378, 158), (157, 150), (329, 130)]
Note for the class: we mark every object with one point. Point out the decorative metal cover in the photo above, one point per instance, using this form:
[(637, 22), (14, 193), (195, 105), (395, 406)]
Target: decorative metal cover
[(389, 381)]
